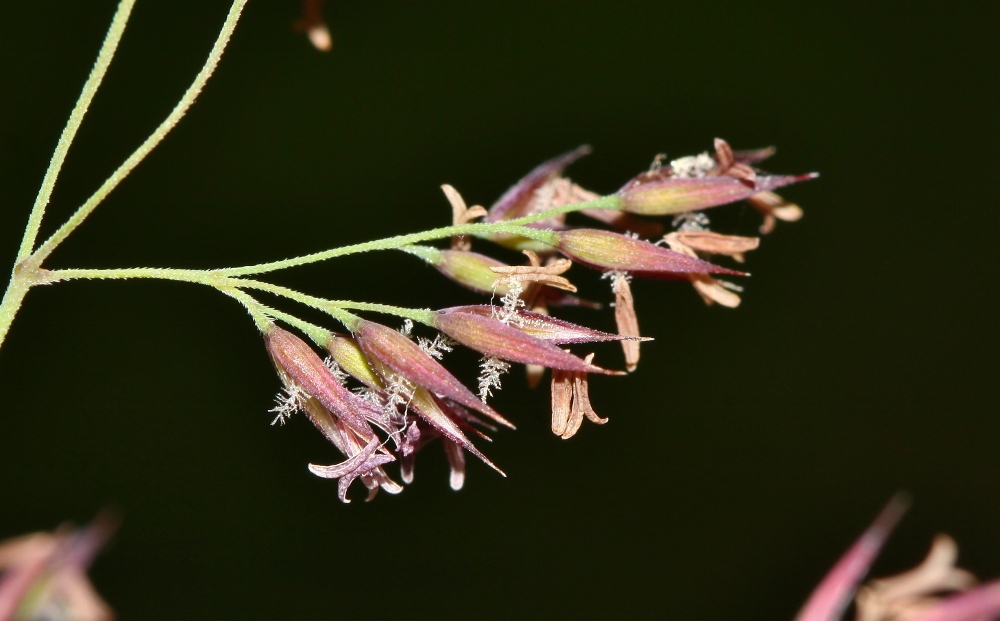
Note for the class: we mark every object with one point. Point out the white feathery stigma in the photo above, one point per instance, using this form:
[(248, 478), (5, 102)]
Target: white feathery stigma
[(490, 370), (290, 400), (335, 369), (511, 304), (437, 347), (691, 221)]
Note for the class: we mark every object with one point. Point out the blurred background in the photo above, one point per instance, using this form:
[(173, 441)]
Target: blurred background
[(746, 453)]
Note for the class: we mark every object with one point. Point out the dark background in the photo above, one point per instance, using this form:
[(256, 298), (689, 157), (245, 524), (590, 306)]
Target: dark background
[(742, 458)]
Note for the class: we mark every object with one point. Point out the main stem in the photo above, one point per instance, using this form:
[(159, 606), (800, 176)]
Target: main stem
[(12, 298)]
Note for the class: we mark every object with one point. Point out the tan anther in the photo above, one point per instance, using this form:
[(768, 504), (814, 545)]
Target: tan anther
[(899, 597), (536, 303), (774, 208), (708, 242), (571, 402), (711, 290), (562, 400), (558, 192), (460, 214), (535, 372), (320, 37), (314, 26), (628, 323), (728, 165), (567, 193), (548, 274)]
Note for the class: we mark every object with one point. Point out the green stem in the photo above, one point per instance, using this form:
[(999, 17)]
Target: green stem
[(262, 313), (349, 320), (104, 57), (27, 270), (390, 243), (258, 312), (193, 276), (611, 201), (226, 279), (25, 273), (420, 315), (431, 255), (17, 288), (510, 227), (335, 308), (154, 139)]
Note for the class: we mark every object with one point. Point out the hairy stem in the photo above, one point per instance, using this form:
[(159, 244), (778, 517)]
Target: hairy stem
[(200, 277), (154, 139), (27, 270), (510, 227), (421, 315), (318, 303), (390, 243), (228, 281), (336, 308), (262, 313), (12, 298), (104, 57)]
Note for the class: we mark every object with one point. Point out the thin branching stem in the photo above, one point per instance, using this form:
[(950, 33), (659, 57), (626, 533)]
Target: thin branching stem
[(258, 312), (217, 277), (510, 227), (334, 308), (27, 270), (421, 315), (23, 276), (226, 280), (104, 57), (154, 139), (229, 280), (201, 277), (262, 315)]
